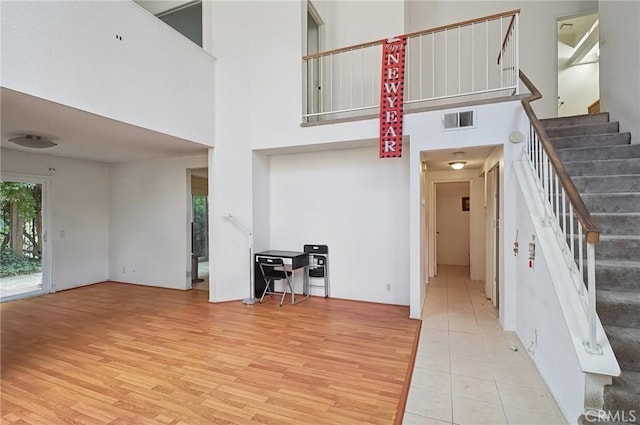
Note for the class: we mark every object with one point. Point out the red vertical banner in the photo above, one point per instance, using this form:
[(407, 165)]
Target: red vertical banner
[(392, 97)]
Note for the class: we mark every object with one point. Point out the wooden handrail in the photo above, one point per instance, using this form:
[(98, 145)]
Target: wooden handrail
[(506, 37), (592, 233), (415, 34)]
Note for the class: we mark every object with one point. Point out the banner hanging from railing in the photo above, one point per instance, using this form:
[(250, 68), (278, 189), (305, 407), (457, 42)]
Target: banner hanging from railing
[(392, 96)]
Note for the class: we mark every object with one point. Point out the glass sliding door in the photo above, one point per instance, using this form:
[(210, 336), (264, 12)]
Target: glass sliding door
[(23, 239), (200, 248)]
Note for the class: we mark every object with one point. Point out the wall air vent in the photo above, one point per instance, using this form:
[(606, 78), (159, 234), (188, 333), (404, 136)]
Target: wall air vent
[(457, 120)]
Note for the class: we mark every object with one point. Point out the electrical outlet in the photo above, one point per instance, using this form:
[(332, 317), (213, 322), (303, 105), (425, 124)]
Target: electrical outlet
[(387, 287), (123, 270)]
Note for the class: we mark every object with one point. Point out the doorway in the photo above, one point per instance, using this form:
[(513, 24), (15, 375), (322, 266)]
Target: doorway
[(24, 270), (199, 229), (453, 224), (314, 45), (578, 65)]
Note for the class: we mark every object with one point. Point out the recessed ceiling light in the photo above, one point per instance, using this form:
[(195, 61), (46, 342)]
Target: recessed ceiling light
[(34, 142), (566, 27)]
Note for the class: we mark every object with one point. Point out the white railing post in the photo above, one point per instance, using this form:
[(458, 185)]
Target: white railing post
[(517, 55), (581, 256), (592, 345), (473, 57), (502, 54), (446, 64)]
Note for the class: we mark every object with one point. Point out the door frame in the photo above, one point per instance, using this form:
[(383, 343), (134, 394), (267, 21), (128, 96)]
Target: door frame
[(48, 284), (431, 217), (312, 92), (492, 230), (556, 81)]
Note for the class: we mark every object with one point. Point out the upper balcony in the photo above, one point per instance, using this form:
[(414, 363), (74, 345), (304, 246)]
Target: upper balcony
[(112, 59), (469, 61)]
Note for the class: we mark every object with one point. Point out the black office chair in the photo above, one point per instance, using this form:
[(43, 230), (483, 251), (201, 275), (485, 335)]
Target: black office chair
[(318, 266), (273, 269)]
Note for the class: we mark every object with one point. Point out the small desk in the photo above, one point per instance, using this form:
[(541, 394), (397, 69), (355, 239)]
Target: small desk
[(293, 259)]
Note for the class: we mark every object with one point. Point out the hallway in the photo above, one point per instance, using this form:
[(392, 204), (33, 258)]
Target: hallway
[(467, 369)]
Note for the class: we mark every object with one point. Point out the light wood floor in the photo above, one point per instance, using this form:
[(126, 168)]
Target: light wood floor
[(125, 354)]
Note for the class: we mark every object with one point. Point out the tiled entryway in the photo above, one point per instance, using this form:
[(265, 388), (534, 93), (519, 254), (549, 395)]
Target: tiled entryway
[(468, 370)]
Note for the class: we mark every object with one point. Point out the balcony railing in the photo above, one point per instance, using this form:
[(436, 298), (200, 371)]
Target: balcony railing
[(452, 61)]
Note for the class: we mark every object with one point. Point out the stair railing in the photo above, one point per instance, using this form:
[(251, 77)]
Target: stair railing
[(451, 61), (565, 211)]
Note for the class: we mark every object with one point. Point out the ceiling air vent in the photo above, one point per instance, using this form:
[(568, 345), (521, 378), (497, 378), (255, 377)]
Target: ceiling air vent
[(455, 120)]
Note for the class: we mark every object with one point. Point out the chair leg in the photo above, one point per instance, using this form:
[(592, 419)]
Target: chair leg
[(284, 291), (266, 288), (293, 296)]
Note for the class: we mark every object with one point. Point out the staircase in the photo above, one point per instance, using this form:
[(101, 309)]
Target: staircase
[(605, 168)]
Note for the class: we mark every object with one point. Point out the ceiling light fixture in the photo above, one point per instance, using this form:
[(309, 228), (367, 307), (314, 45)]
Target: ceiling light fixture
[(34, 142), (457, 165)]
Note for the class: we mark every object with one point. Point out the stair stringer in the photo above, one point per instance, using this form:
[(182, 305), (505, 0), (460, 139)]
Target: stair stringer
[(598, 369)]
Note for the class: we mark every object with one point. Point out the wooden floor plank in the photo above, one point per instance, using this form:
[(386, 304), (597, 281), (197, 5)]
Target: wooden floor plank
[(125, 354)]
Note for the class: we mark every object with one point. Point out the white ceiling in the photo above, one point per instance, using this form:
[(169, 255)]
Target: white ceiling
[(159, 6), (82, 135), (438, 160), (572, 30)]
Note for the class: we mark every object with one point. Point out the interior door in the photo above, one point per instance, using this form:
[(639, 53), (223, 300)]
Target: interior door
[(24, 249), (313, 70)]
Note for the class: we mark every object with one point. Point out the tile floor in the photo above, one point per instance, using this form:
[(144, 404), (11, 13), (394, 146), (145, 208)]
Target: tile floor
[(468, 370)]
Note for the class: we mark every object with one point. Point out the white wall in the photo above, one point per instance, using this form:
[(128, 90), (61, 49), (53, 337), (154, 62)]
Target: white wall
[(541, 325), (261, 111), (423, 188), (67, 52), (149, 213), (578, 85), (261, 201), (254, 114), (79, 201), (537, 34), (356, 204), (452, 224), (619, 63), (354, 22)]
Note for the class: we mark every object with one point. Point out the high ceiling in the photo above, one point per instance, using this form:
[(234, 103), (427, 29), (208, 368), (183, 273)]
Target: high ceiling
[(582, 33), (572, 30), (82, 135)]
